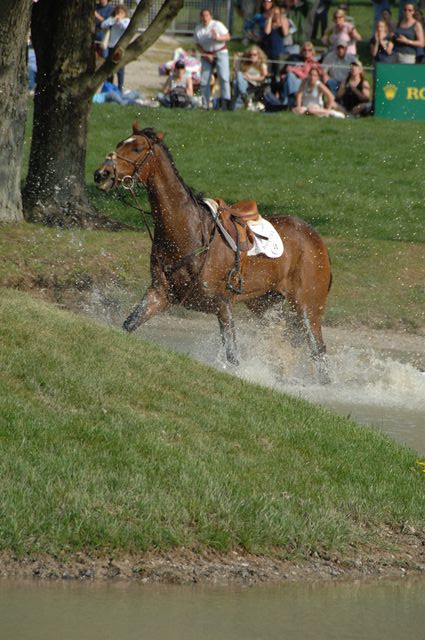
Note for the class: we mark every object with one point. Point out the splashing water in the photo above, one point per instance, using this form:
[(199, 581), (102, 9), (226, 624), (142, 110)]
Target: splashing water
[(374, 375)]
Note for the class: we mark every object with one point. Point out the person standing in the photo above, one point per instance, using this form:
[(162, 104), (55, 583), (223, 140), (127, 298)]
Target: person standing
[(103, 10), (117, 24), (211, 37), (408, 36)]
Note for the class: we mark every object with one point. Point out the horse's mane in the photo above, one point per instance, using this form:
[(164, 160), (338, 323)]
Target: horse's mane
[(196, 196)]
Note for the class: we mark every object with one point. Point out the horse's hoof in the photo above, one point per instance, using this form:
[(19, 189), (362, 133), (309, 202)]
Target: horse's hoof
[(233, 360)]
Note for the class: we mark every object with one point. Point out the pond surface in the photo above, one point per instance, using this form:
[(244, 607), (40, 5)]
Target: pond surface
[(371, 611)]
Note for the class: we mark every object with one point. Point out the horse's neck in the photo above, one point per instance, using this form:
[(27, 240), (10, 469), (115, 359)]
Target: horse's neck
[(174, 210)]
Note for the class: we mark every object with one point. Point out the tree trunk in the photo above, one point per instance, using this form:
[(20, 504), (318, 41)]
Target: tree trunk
[(62, 35), (63, 39), (14, 28)]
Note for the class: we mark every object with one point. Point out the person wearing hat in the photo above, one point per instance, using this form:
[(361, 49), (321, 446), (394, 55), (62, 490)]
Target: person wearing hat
[(353, 95), (337, 65)]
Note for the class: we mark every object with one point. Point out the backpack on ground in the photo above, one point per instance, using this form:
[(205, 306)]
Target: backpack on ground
[(179, 98)]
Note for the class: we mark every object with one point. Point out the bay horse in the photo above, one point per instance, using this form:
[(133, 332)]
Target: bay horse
[(190, 260)]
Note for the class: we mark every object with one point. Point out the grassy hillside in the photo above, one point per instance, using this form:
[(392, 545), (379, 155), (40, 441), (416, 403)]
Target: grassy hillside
[(111, 444)]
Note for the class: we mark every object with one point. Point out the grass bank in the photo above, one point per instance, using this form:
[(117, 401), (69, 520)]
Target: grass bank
[(110, 444)]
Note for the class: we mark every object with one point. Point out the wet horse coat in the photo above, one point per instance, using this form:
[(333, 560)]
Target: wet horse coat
[(190, 260)]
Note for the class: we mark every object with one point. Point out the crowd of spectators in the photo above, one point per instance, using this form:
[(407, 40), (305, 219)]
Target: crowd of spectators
[(280, 67)]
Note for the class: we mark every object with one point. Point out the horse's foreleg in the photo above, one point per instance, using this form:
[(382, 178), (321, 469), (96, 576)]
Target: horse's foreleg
[(227, 330), (313, 332), (154, 301)]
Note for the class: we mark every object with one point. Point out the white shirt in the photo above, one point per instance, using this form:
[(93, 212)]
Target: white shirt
[(204, 39), (117, 29)]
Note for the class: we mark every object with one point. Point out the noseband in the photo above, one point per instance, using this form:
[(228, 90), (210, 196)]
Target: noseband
[(128, 180)]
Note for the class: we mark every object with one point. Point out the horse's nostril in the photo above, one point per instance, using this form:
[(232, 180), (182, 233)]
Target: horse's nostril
[(99, 175)]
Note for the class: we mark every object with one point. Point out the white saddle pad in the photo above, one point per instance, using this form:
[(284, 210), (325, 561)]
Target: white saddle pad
[(270, 243)]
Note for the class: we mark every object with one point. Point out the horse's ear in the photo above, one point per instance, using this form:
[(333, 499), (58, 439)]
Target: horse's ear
[(136, 126), (160, 136)]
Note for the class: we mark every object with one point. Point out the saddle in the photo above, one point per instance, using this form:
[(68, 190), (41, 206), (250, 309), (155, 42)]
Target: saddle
[(234, 219)]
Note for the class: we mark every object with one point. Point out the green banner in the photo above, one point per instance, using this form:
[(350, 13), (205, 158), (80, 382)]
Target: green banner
[(400, 91)]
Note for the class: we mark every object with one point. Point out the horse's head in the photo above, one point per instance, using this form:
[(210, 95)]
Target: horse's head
[(129, 161)]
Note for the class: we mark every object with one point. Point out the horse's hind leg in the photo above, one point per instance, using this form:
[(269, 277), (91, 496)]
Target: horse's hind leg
[(227, 331), (308, 320), (153, 302)]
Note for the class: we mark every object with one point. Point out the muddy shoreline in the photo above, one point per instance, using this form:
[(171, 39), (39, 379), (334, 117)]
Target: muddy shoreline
[(405, 556)]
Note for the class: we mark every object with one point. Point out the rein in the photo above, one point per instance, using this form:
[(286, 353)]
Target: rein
[(128, 182)]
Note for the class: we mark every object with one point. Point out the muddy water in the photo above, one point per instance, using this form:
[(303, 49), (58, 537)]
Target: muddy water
[(374, 611), (375, 376)]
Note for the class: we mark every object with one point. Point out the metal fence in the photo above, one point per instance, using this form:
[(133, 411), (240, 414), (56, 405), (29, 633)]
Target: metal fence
[(188, 17)]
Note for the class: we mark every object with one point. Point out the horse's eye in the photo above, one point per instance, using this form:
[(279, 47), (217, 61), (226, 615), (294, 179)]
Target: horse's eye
[(138, 150)]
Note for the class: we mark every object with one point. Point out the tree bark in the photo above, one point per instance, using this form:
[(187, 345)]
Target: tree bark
[(63, 38), (14, 28)]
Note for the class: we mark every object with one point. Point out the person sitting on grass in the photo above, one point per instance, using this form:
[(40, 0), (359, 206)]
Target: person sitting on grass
[(250, 71), (353, 96), (295, 74), (337, 66), (314, 98), (178, 88)]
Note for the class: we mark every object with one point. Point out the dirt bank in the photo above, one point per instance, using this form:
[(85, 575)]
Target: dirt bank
[(405, 557)]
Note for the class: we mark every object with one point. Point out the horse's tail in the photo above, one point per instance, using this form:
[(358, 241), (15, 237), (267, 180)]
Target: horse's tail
[(330, 273)]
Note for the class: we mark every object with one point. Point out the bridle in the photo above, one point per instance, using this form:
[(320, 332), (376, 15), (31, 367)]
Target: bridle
[(128, 181)]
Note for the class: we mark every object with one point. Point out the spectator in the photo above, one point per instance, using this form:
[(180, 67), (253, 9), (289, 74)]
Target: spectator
[(254, 28), (247, 10), (313, 97), (103, 10), (337, 65), (381, 44), (291, 81), (342, 30), (111, 93), (298, 11), (354, 94), (32, 67), (276, 29), (408, 36), (250, 71), (211, 37), (420, 53), (178, 88), (117, 24), (321, 18), (378, 7), (386, 17)]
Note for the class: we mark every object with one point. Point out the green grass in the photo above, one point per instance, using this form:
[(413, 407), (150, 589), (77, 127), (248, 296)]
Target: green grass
[(110, 444), (358, 182), (358, 179)]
